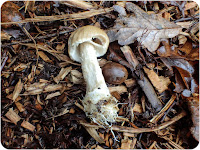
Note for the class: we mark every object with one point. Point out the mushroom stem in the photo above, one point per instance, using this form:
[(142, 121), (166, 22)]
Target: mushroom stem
[(92, 73), (98, 103)]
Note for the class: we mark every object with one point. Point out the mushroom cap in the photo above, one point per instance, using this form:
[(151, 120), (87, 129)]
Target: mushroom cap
[(90, 34)]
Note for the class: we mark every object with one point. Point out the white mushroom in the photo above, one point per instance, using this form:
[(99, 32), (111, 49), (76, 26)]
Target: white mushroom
[(84, 46)]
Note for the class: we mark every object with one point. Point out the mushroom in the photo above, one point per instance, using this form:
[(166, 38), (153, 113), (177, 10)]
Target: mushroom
[(84, 46)]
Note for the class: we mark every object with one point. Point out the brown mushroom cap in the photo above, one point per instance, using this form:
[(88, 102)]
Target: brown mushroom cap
[(90, 34)]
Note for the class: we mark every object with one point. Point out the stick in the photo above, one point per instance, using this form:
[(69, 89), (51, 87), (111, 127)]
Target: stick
[(75, 16), (142, 80), (37, 38), (140, 130)]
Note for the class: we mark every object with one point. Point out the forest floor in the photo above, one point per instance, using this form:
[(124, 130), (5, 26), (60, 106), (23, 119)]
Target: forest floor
[(157, 47)]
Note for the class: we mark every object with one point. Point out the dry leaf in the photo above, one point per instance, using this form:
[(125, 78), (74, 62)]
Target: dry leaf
[(5, 36), (44, 57), (10, 13), (126, 143), (92, 131), (137, 108), (193, 103), (30, 5), (159, 82), (146, 29), (190, 5)]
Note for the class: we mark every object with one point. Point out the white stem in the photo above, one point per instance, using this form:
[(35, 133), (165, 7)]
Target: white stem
[(92, 73)]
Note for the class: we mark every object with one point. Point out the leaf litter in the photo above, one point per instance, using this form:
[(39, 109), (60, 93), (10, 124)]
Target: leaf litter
[(159, 102), (147, 29)]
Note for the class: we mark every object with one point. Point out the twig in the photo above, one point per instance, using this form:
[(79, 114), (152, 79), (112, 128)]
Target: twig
[(75, 16), (140, 130), (4, 60), (78, 4), (164, 109), (37, 38)]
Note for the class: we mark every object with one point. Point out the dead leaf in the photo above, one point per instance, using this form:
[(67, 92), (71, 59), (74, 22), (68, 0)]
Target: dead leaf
[(44, 57), (10, 13), (179, 85), (159, 82), (5, 36), (146, 29), (190, 5), (126, 143), (92, 131), (29, 6), (193, 103), (187, 72)]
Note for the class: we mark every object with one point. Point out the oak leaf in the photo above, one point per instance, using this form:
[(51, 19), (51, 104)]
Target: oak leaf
[(146, 29)]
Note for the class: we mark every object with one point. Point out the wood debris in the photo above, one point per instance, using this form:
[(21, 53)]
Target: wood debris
[(42, 88), (160, 83), (17, 90), (127, 144), (120, 89), (78, 4), (49, 96), (15, 118), (44, 56), (62, 74)]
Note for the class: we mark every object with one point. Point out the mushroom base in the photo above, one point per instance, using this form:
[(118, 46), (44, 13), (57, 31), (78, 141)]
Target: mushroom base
[(103, 112)]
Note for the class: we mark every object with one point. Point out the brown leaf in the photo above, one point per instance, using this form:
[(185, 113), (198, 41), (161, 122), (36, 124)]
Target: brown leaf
[(29, 6), (126, 144), (184, 75), (160, 83), (179, 86), (146, 29), (190, 5), (186, 48), (5, 36), (193, 103), (44, 56), (10, 13)]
